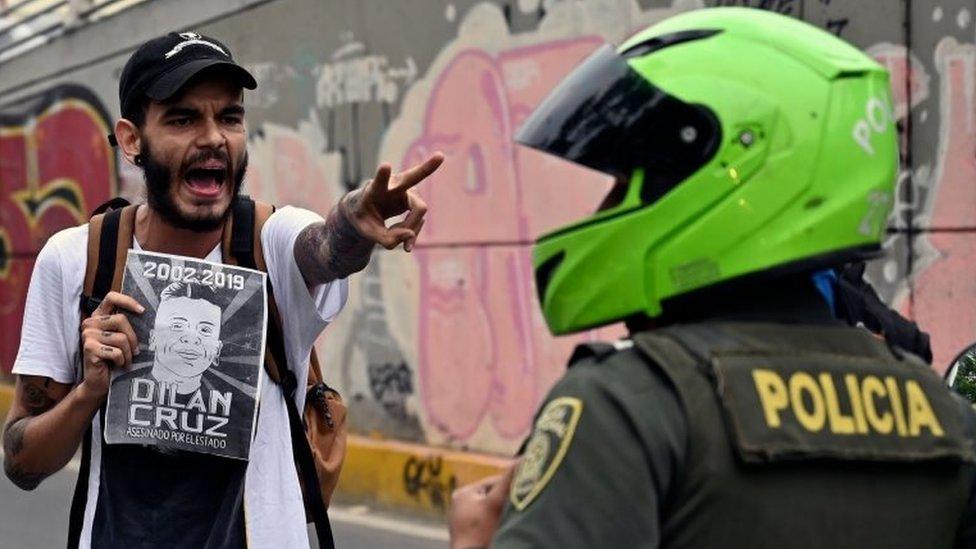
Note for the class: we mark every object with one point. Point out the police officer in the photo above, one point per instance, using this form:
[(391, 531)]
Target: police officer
[(750, 151)]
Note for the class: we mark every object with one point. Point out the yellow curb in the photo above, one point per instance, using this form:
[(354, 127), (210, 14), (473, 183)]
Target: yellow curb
[(409, 477), (6, 399)]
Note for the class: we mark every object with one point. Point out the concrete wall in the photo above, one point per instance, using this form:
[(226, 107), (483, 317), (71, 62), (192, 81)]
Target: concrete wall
[(445, 346)]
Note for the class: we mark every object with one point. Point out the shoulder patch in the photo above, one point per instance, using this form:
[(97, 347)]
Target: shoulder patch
[(546, 448), (806, 405)]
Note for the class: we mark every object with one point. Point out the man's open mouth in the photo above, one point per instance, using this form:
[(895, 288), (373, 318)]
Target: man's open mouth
[(207, 180)]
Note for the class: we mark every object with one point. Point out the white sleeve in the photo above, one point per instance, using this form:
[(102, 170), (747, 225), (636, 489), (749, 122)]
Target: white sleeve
[(304, 314), (47, 347)]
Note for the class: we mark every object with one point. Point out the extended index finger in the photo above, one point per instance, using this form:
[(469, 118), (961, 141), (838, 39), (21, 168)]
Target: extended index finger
[(418, 173), (116, 300)]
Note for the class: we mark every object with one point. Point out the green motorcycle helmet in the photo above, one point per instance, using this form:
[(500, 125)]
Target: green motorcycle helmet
[(745, 145)]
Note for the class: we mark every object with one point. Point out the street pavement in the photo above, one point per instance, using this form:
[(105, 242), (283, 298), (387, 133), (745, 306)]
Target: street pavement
[(39, 520)]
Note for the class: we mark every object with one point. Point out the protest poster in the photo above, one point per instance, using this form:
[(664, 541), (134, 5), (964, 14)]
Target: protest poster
[(194, 385)]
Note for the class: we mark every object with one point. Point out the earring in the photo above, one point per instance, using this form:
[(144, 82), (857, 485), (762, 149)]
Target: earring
[(138, 160)]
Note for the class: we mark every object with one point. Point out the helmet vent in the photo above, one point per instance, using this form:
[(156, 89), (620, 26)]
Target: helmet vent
[(851, 74), (660, 42)]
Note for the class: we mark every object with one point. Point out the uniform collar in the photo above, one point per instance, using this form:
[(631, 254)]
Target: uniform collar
[(788, 300)]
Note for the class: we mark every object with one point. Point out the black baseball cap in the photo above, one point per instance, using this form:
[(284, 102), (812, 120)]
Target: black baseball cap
[(162, 66)]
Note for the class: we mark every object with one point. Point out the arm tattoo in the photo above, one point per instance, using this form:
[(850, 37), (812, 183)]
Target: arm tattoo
[(21, 479), (332, 249), (13, 437), (36, 398), (13, 443), (37, 401)]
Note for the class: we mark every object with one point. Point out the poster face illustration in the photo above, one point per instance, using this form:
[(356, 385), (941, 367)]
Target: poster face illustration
[(195, 382)]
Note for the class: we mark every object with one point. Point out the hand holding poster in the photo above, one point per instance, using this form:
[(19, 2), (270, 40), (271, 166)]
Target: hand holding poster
[(195, 383)]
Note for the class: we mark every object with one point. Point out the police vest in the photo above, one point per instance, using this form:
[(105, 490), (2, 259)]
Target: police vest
[(810, 436)]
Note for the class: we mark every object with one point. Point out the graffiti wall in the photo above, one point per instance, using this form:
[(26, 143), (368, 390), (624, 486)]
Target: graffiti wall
[(55, 165), (446, 345)]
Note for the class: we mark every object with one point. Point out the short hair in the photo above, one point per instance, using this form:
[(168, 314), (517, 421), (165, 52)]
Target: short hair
[(192, 291)]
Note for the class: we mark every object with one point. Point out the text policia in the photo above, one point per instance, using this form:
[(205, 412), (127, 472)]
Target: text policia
[(883, 405), (154, 412), (190, 275)]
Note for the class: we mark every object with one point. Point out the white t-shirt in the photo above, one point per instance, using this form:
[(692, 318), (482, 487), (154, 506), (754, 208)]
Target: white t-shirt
[(273, 509)]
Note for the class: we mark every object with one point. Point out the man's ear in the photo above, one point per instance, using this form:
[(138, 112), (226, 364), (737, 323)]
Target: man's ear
[(216, 357), (129, 138), (152, 341)]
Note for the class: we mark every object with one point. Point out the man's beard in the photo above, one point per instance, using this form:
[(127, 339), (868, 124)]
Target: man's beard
[(159, 178)]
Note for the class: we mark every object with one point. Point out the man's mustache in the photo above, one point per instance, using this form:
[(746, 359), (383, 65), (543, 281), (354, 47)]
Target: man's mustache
[(209, 154)]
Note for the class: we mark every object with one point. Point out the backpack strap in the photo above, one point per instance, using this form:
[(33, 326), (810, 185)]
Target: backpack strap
[(242, 246), (116, 203), (110, 232), (244, 233), (109, 238)]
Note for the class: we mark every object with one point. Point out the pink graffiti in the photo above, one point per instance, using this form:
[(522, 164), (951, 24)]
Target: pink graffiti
[(909, 81), (946, 291), (484, 349), (294, 175), (908, 75)]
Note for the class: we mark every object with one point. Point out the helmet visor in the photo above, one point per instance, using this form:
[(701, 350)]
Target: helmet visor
[(608, 117)]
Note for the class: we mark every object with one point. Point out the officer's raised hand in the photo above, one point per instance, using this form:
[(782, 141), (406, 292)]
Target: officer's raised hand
[(341, 245), (476, 510), (108, 341)]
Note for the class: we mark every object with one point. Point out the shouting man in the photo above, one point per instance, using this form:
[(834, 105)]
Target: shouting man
[(183, 123)]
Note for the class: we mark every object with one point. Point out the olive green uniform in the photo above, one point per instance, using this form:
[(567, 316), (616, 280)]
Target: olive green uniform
[(740, 432)]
